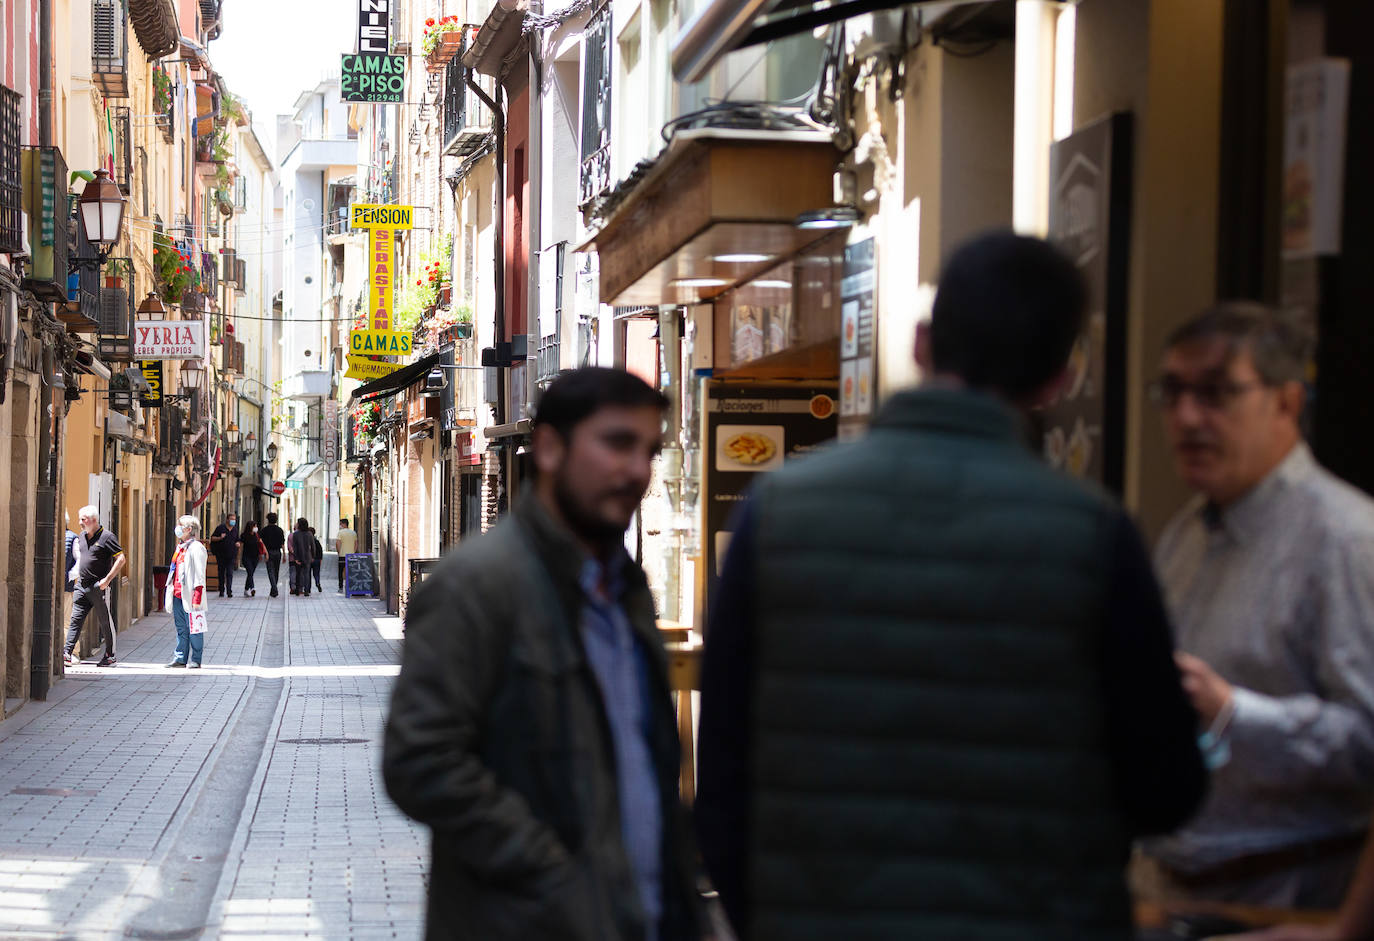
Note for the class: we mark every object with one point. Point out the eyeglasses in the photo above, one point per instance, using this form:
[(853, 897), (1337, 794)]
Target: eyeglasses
[(1212, 394)]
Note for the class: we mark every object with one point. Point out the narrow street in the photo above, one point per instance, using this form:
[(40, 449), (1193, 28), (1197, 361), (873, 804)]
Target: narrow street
[(243, 800)]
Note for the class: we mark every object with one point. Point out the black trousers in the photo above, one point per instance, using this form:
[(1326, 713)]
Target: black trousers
[(273, 568), (301, 573), (226, 575), (341, 572), (315, 571), (250, 564), (84, 601)]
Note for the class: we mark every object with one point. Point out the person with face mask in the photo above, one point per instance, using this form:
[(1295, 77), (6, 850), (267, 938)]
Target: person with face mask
[(224, 543), (253, 550), (531, 726), (185, 592)]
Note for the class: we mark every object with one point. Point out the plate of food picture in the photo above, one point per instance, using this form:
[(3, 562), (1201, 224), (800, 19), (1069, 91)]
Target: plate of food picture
[(749, 447)]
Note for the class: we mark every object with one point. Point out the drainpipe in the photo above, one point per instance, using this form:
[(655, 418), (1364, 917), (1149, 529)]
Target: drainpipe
[(498, 120), (45, 507)]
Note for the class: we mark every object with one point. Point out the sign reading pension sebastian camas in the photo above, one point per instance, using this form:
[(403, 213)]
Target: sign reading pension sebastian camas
[(169, 339), (373, 77)]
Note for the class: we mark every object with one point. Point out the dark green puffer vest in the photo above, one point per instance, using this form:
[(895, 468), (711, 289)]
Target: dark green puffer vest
[(928, 740)]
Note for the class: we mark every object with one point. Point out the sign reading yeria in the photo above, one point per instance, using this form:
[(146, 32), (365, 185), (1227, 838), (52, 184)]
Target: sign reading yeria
[(169, 339)]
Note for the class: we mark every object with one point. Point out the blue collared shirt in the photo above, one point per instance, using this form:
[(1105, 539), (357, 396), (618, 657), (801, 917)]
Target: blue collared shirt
[(621, 671)]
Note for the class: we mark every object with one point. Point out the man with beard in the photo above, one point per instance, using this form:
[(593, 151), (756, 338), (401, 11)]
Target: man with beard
[(531, 726), (1269, 576)]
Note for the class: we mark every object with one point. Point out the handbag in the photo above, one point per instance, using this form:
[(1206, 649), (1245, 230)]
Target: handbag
[(198, 624)]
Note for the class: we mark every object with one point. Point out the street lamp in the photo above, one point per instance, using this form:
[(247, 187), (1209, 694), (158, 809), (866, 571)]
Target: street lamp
[(231, 434), (150, 308), (191, 375), (271, 451), (250, 443), (101, 209)]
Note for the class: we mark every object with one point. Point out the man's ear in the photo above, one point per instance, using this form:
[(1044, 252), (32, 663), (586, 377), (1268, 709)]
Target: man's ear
[(549, 448), (925, 358), (1292, 398)]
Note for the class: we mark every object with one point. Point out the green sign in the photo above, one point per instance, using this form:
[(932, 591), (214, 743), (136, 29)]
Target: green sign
[(374, 77), (295, 485)]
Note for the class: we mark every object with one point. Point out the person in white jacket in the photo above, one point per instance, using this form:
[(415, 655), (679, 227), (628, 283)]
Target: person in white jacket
[(186, 592)]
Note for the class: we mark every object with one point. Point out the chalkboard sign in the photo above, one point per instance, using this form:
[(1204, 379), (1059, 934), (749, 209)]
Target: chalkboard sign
[(360, 575)]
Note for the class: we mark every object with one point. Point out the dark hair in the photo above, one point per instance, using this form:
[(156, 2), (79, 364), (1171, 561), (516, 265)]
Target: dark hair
[(312, 530), (1279, 343), (302, 523), (1007, 312), (343, 521), (248, 526), (577, 395), (271, 519)]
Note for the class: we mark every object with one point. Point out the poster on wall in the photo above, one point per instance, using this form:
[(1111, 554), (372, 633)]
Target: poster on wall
[(857, 303), (753, 428), (1083, 431), (1316, 101)]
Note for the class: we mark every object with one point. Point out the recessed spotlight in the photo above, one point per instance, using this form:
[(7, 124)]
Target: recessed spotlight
[(697, 282), (741, 258)]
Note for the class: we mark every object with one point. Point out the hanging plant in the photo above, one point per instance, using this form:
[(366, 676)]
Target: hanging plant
[(436, 30), (175, 273), (162, 91)]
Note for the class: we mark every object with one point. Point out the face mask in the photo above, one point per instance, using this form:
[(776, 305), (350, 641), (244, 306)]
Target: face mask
[(181, 533), (233, 522)]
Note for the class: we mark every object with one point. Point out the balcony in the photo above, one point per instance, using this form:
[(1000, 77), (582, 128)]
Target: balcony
[(121, 123), (467, 121), (110, 48), (115, 325), (49, 209), (156, 25), (11, 172), (308, 384)]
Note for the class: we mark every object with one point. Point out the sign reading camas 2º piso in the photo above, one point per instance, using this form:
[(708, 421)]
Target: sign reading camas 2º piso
[(169, 339), (373, 77)]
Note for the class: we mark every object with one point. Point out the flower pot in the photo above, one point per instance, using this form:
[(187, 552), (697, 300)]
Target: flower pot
[(445, 49), (114, 281), (463, 331)]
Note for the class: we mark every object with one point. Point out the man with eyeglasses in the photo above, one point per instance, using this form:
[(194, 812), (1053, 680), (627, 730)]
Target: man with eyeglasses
[(1269, 576)]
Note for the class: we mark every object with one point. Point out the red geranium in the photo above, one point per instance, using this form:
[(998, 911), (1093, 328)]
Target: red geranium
[(429, 21)]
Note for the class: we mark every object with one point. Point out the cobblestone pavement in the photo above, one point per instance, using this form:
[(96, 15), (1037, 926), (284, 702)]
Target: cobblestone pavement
[(241, 801)]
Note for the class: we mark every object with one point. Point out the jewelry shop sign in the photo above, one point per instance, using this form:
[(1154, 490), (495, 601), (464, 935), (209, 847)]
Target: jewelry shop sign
[(169, 339)]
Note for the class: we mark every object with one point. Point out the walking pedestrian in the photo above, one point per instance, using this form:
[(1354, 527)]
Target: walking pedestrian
[(273, 541), (185, 592), (531, 727), (317, 559), (345, 544), (301, 548), (1269, 575), (938, 693), (224, 543), (251, 550), (99, 560)]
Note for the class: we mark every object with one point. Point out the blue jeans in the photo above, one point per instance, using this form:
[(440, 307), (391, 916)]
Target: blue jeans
[(185, 639)]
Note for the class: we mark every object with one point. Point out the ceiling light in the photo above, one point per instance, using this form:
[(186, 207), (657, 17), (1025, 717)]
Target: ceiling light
[(698, 282), (741, 258), (836, 217), (770, 284)]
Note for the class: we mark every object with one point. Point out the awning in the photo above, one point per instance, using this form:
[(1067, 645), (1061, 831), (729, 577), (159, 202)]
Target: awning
[(397, 381), (265, 492), (500, 34), (304, 471), (734, 198), (156, 26), (723, 26), (194, 53)]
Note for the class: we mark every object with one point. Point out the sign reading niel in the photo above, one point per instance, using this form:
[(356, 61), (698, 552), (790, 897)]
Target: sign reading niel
[(374, 26), (169, 339)]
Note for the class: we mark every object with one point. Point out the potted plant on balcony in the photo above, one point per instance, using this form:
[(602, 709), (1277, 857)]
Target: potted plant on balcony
[(441, 42), (162, 92), (175, 273), (116, 270)]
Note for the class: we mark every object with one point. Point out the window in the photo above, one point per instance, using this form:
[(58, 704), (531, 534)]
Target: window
[(596, 107), (11, 182)]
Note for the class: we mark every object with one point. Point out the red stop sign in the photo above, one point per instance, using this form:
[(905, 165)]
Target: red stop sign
[(278, 487)]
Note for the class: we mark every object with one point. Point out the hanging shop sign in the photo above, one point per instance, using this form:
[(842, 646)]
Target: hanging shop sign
[(373, 77), (380, 343), (374, 26), (856, 336), (329, 443), (152, 374), (169, 339), (381, 269), (360, 367), (377, 216)]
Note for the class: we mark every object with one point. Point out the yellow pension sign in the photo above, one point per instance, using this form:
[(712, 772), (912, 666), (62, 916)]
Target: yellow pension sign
[(379, 342), (380, 216), (360, 367)]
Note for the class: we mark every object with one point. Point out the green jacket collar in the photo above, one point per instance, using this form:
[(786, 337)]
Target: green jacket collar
[(957, 411)]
